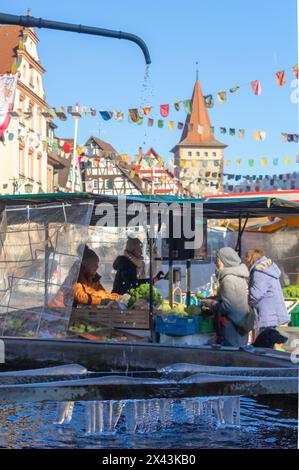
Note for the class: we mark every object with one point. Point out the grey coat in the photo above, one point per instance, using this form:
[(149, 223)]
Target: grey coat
[(233, 304), (265, 294)]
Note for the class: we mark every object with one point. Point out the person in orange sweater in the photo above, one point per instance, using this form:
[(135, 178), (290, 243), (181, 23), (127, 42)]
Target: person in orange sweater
[(88, 289)]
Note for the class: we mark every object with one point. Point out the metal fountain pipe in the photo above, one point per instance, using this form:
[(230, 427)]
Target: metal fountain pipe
[(31, 22)]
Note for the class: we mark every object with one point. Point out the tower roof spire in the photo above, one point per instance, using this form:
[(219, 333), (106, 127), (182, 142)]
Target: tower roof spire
[(197, 129)]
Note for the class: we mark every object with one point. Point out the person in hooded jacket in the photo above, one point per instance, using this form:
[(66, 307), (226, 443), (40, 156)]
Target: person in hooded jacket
[(231, 307), (265, 292), (130, 268)]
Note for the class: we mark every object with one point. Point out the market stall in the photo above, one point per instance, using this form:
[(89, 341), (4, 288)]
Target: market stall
[(55, 219)]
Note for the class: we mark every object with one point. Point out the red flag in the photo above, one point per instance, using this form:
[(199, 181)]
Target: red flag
[(256, 87), (164, 110), (280, 78)]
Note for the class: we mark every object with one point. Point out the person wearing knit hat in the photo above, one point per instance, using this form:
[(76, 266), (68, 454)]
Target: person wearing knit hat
[(233, 318), (228, 256), (130, 268)]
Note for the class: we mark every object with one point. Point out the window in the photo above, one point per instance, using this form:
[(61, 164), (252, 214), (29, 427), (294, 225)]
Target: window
[(214, 154), (22, 109), (189, 154), (49, 179), (198, 154), (96, 184), (39, 168), (31, 164), (206, 154), (24, 72), (31, 116), (31, 77), (21, 161)]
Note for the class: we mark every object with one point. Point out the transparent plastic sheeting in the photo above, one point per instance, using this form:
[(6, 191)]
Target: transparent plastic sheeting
[(40, 253), (149, 416), (110, 242), (281, 246)]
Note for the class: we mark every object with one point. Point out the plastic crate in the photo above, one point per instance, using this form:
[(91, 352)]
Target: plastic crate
[(295, 316), (206, 325), (176, 326)]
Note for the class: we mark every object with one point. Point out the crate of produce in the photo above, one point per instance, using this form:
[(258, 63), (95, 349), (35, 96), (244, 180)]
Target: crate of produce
[(205, 324), (176, 326), (295, 316)]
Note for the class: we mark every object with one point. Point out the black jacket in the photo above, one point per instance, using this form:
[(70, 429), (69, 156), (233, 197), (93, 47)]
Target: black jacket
[(126, 276)]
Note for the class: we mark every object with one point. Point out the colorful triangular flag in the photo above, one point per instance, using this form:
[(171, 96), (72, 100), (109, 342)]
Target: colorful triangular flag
[(188, 106), (106, 115), (146, 110), (280, 78), (164, 110), (234, 89), (221, 96), (256, 87), (133, 114), (296, 71), (209, 101)]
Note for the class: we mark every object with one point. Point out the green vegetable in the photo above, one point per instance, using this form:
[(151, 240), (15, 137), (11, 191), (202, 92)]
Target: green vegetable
[(291, 291), (143, 292)]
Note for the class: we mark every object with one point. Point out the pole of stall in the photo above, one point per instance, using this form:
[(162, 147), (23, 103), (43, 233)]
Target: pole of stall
[(74, 153), (240, 236), (170, 260), (46, 263), (151, 292), (188, 281)]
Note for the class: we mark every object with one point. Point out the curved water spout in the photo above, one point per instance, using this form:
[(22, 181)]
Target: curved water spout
[(31, 22)]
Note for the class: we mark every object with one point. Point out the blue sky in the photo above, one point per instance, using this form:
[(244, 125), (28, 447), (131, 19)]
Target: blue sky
[(234, 42)]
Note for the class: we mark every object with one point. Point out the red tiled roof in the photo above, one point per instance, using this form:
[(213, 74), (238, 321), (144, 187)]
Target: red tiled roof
[(9, 40)]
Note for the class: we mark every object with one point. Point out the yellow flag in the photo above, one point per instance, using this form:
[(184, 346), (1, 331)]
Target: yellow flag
[(79, 150), (124, 157), (264, 161), (238, 161), (183, 163), (13, 68), (256, 136), (287, 160), (170, 125)]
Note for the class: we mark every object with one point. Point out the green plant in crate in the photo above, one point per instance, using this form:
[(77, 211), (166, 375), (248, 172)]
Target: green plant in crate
[(291, 291), (143, 293)]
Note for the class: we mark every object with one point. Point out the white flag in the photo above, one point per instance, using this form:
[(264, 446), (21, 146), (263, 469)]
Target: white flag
[(8, 84)]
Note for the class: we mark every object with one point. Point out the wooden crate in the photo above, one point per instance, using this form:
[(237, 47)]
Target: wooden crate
[(111, 317)]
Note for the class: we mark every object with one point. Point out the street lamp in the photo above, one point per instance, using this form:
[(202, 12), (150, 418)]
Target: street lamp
[(28, 188)]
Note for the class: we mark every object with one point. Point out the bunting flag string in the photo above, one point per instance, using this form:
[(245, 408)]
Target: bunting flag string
[(135, 117), (135, 114)]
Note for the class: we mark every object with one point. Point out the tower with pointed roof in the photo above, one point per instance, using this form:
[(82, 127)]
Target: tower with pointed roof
[(199, 156)]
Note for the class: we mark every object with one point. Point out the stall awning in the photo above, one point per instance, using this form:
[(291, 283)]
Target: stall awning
[(213, 208)]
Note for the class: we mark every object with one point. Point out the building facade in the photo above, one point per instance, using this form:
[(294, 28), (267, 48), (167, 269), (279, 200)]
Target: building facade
[(198, 156), (104, 172), (23, 150), (156, 177)]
